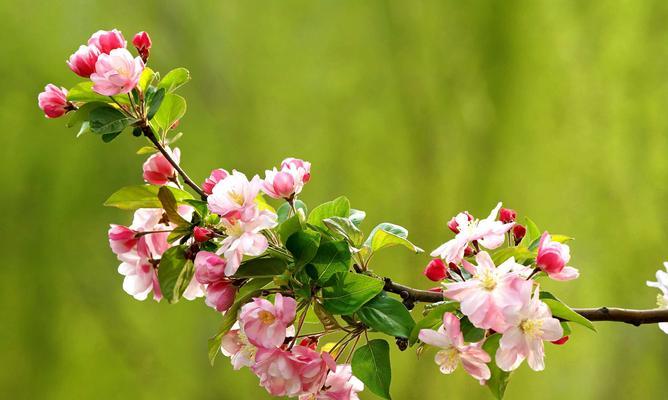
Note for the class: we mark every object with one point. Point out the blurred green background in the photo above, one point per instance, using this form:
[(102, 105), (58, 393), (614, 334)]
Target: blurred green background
[(414, 110)]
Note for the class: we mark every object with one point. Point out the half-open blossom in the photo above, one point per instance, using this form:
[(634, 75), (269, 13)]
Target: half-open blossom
[(339, 385), (300, 169), (436, 270), (142, 42), (53, 101), (245, 238), (278, 372), (264, 323), (140, 277), (662, 298), (530, 325), (235, 345), (116, 73), (279, 184), (106, 41), (233, 197), (313, 367), (121, 239), (552, 258), (209, 267), (450, 340), (489, 291), (216, 176), (158, 170), (220, 295), (82, 62), (488, 232)]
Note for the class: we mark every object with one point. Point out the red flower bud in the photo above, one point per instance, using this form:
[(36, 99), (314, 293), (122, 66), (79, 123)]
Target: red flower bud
[(518, 232), (202, 234), (561, 341), (506, 215), (468, 251), (454, 267), (436, 270), (142, 43)]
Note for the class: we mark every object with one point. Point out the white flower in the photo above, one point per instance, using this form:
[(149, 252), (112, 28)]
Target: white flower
[(662, 298)]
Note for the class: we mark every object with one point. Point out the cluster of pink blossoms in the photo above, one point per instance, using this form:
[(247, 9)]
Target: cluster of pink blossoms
[(109, 65), (500, 298)]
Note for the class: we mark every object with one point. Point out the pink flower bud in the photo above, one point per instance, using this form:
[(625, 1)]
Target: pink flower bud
[(468, 251), (158, 170), (116, 73), (552, 256), (300, 168), (121, 239), (436, 270), (209, 267), (202, 234), (220, 295), (518, 232), (106, 41), (216, 176), (506, 215), (561, 341), (53, 101), (142, 43), (82, 62)]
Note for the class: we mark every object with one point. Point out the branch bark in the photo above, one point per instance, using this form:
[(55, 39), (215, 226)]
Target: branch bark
[(633, 317)]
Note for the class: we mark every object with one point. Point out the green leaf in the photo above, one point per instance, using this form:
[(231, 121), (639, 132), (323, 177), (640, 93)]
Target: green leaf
[(146, 150), (349, 292), (561, 310), (387, 315), (561, 238), (356, 216), (520, 253), (261, 267), (332, 257), (345, 228), (83, 113), (156, 101), (499, 380), (532, 234), (388, 235), (173, 107), (174, 79), (201, 207), (83, 93), (433, 319), (174, 273), (303, 245), (471, 333), (289, 227), (146, 78), (339, 207), (169, 204), (107, 120), (283, 212), (371, 364), (142, 196)]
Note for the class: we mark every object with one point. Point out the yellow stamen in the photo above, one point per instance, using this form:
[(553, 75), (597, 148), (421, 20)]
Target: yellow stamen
[(532, 327)]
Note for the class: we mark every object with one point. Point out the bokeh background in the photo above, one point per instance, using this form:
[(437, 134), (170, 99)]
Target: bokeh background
[(415, 110)]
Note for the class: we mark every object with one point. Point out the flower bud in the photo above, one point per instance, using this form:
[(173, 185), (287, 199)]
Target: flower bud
[(283, 185), (454, 267), (121, 239), (106, 41), (454, 226), (53, 101), (209, 267), (552, 256), (158, 170), (82, 62), (220, 295), (506, 215), (436, 270), (202, 234), (518, 233), (468, 251), (561, 341), (142, 43)]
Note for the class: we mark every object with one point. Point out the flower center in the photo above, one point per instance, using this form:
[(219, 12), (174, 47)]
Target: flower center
[(532, 327), (236, 197), (447, 359), (487, 279), (266, 317), (235, 230)]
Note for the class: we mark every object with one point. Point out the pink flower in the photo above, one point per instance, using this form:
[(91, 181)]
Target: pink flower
[(121, 239), (436, 270), (142, 43), (278, 372), (489, 291), (264, 323), (529, 327), (488, 232), (209, 267), (279, 184), (300, 169), (233, 197), (220, 295), (313, 367), (159, 171), (216, 176), (453, 350), (106, 41), (245, 238), (140, 277), (339, 385), (82, 62), (235, 345), (53, 101), (116, 72), (552, 258)]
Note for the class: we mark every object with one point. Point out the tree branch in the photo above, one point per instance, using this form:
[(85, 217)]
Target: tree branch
[(633, 317)]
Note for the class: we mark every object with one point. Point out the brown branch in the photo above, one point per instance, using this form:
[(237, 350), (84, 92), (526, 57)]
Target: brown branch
[(633, 317), (148, 132)]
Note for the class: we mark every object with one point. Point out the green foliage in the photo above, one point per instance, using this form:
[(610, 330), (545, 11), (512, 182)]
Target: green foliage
[(349, 291), (154, 104), (261, 267), (388, 235), (174, 273), (332, 257), (387, 315), (108, 121), (470, 332), (303, 245), (173, 107), (346, 229), (174, 79), (142, 196), (283, 212), (170, 205), (339, 207), (561, 310), (147, 77), (371, 364), (499, 380), (83, 92), (532, 234)]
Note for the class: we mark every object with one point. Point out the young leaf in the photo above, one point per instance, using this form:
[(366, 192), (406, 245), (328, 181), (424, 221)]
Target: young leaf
[(174, 273), (388, 235), (303, 245), (174, 79), (328, 321), (289, 227), (173, 107), (332, 257), (283, 212), (154, 105), (499, 380), (261, 267), (146, 78), (345, 228), (520, 253), (83, 113), (387, 315), (142, 196), (561, 310), (356, 217), (339, 207), (169, 204), (83, 92), (471, 333), (108, 137), (106, 120), (371, 364), (349, 292)]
